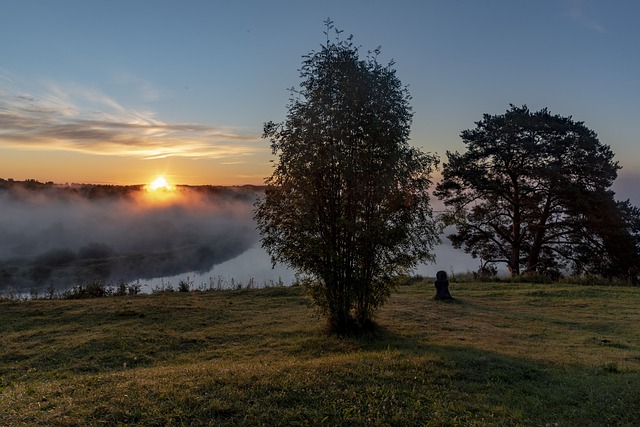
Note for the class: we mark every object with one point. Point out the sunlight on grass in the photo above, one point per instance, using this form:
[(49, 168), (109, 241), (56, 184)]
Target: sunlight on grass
[(498, 354)]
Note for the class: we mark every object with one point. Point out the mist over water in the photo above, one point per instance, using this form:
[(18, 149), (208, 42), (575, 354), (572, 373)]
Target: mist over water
[(251, 268), (63, 236), (69, 235), (254, 267)]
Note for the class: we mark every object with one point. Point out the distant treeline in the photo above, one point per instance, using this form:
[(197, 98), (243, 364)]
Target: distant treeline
[(99, 191)]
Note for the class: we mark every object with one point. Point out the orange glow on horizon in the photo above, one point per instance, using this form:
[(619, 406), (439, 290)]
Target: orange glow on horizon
[(77, 168), (160, 191)]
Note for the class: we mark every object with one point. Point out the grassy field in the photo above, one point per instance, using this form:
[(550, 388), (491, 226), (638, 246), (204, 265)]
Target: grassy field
[(500, 354)]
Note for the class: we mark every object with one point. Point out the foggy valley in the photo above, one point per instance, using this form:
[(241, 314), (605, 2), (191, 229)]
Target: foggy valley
[(60, 235)]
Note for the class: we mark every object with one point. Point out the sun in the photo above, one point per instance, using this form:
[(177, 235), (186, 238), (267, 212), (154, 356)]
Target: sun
[(160, 192), (160, 183)]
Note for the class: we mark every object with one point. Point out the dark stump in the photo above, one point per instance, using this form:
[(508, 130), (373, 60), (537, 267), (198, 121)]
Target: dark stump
[(442, 286)]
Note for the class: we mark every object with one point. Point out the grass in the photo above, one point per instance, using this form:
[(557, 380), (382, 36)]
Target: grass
[(499, 354)]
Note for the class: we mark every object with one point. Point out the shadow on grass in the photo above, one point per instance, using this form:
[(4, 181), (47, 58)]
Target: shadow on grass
[(529, 391)]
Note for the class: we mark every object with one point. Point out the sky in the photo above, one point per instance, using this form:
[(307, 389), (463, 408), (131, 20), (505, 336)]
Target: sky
[(119, 92)]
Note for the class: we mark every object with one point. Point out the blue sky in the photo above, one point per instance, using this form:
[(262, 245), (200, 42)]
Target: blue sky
[(119, 91)]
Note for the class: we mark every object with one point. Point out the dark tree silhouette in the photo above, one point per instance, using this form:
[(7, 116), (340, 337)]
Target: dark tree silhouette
[(610, 238), (348, 201), (532, 191)]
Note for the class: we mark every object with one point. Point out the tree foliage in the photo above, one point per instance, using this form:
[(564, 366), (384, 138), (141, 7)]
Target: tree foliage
[(532, 191), (347, 203)]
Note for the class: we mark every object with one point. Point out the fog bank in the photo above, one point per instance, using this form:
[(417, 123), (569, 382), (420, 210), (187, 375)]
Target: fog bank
[(66, 235), (61, 235)]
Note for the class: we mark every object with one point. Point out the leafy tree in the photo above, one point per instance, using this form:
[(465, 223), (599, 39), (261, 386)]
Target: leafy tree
[(532, 192), (611, 229), (347, 203)]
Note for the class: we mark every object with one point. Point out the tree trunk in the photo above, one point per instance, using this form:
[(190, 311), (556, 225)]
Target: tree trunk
[(514, 259), (536, 247)]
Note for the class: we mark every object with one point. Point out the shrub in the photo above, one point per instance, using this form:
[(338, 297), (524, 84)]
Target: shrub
[(96, 289)]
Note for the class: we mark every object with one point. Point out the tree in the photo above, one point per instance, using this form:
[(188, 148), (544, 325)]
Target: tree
[(347, 203), (611, 229), (532, 191)]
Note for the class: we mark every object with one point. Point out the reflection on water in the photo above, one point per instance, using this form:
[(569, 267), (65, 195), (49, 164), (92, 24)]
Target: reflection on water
[(251, 268)]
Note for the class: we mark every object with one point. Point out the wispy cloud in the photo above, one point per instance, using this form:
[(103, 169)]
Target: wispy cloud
[(82, 119), (578, 13), (142, 87)]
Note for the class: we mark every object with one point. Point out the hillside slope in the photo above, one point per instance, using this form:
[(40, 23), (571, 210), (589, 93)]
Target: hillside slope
[(517, 354)]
